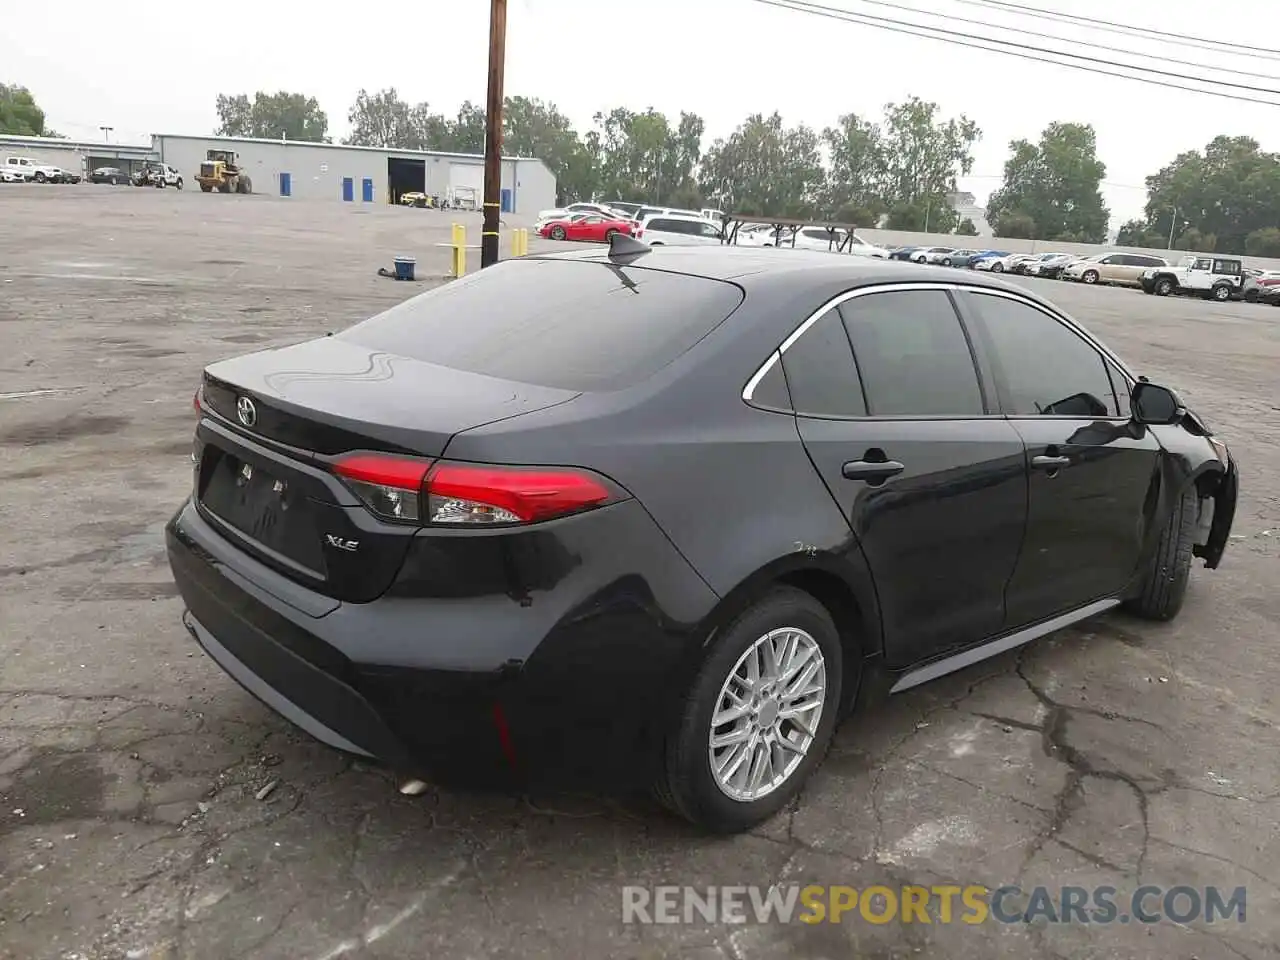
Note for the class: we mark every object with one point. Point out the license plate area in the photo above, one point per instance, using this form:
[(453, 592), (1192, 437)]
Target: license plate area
[(267, 509)]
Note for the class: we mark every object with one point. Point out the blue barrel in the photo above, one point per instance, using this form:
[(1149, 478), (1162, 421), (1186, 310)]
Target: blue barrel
[(404, 268)]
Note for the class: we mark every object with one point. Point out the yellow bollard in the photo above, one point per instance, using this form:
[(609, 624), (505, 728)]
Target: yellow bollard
[(459, 244), (524, 242), (519, 243)]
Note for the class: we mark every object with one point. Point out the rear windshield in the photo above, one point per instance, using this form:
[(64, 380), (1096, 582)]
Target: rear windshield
[(574, 325)]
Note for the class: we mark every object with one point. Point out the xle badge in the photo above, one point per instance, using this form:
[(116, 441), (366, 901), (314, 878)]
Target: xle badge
[(349, 545)]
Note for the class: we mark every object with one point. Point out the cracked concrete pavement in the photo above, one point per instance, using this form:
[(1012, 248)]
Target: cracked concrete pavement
[(149, 808)]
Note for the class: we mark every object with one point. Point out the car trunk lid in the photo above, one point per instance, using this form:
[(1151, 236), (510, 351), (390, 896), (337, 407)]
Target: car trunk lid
[(273, 423)]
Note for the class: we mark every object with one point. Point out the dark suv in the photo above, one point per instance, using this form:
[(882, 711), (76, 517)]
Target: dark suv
[(665, 513)]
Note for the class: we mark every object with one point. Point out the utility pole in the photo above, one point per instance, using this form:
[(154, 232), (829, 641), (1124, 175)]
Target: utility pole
[(1172, 224), (493, 134)]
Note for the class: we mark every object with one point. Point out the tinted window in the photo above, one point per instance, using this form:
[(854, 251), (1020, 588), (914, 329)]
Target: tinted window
[(771, 390), (1231, 267), (820, 371), (1047, 367), (1150, 261), (709, 230), (912, 355), (577, 325)]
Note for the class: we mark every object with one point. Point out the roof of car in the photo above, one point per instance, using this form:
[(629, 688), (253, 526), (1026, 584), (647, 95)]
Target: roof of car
[(767, 266)]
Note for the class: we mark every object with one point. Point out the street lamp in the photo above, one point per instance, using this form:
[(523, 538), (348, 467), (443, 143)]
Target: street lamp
[(1173, 223), (106, 133)]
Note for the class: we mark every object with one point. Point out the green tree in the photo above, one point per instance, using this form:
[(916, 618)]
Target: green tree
[(856, 173), (20, 116), (1056, 183), (1015, 225), (1193, 239), (1263, 243), (1135, 233), (765, 168), (465, 134), (272, 116), (1229, 190), (967, 228), (642, 156), (923, 215), (382, 119), (534, 128), (923, 156)]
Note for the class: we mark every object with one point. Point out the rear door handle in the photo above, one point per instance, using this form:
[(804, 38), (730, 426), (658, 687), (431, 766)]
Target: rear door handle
[(871, 471), (1050, 463)]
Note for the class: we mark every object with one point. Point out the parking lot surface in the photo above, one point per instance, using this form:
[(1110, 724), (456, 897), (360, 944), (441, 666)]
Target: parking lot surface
[(150, 808)]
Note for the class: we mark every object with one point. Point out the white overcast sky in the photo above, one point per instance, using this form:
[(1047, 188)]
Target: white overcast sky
[(91, 63)]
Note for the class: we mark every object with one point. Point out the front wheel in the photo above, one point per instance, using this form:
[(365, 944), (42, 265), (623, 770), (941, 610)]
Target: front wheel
[(179, 183), (946, 261), (997, 268), (1164, 585), (758, 717), (1164, 287), (1090, 276), (40, 177), (557, 233)]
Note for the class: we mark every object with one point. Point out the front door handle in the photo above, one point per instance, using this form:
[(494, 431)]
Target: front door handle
[(871, 471), (1050, 463)]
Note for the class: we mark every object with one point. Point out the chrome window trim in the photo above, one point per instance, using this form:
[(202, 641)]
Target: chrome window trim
[(950, 287)]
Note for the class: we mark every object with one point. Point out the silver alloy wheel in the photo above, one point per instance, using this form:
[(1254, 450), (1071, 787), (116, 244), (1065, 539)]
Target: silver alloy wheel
[(767, 714)]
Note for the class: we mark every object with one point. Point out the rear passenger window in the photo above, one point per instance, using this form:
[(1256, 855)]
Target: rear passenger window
[(912, 355), (820, 371), (1047, 368)]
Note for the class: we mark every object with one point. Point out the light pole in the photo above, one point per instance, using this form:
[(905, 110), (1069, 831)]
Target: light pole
[(493, 134), (1173, 222), (106, 133)]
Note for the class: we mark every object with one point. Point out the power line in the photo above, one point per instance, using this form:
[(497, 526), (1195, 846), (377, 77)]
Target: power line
[(894, 26), (1113, 27), (1082, 43), (838, 13)]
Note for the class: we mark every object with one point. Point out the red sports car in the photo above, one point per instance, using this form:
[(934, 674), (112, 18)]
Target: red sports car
[(586, 228)]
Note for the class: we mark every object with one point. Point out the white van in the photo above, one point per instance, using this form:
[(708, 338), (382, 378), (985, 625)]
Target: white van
[(679, 229)]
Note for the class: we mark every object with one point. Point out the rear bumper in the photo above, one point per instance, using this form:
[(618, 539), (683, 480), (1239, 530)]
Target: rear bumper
[(481, 678)]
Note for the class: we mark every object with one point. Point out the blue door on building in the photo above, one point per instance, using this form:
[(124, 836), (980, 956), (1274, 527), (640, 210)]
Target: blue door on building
[(506, 199), (348, 189), (366, 190), (286, 185)]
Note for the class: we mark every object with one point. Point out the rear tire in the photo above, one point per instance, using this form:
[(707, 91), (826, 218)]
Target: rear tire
[(609, 235), (688, 785), (179, 183), (1221, 293), (997, 268), (1164, 585)]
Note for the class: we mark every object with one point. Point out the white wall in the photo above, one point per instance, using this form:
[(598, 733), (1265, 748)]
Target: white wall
[(317, 170)]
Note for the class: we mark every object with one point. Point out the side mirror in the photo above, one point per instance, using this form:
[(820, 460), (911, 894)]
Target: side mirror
[(1154, 404)]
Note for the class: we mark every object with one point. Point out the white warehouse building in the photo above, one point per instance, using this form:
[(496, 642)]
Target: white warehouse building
[(313, 171), (327, 171)]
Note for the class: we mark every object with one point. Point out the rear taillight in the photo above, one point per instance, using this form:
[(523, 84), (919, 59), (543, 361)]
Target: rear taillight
[(391, 487), (468, 494)]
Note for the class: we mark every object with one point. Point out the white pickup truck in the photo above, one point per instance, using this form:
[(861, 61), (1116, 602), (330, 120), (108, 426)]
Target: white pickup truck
[(29, 169)]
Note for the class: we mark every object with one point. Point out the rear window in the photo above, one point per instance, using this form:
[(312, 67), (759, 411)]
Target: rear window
[(573, 325)]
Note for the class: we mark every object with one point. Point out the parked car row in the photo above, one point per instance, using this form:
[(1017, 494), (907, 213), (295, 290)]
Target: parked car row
[(657, 226), (1212, 277)]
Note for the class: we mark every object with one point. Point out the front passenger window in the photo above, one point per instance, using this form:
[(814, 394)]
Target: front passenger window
[(1047, 369)]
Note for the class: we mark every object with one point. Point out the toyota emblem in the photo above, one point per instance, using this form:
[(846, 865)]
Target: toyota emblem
[(246, 411)]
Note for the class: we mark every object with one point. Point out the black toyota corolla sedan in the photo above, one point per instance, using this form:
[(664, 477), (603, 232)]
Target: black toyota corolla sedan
[(669, 513)]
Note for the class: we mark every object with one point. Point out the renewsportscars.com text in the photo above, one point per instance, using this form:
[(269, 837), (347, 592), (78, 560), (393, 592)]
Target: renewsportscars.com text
[(939, 904)]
